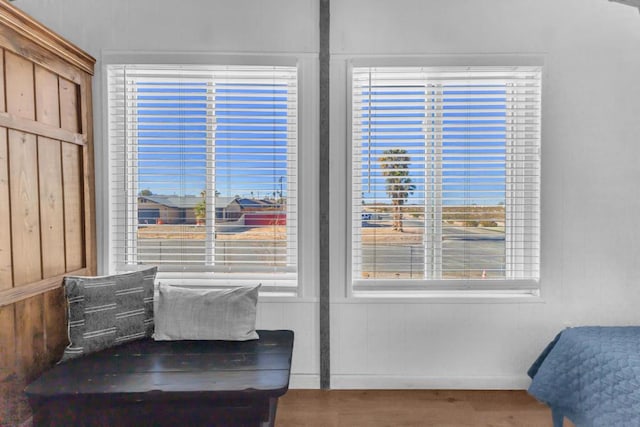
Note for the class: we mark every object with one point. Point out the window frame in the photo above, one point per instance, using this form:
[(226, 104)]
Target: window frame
[(456, 289), (306, 266)]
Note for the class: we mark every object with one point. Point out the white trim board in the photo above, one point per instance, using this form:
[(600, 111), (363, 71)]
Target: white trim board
[(304, 381), (394, 382)]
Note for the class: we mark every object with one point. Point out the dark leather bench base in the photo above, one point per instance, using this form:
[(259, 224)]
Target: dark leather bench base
[(168, 384), (195, 412)]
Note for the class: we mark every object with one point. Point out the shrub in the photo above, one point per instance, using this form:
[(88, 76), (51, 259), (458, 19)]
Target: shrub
[(488, 224)]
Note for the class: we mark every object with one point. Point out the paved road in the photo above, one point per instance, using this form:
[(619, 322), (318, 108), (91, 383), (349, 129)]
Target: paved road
[(227, 252), (476, 249), (486, 249)]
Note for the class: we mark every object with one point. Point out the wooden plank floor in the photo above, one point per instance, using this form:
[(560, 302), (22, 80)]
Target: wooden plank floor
[(376, 408)]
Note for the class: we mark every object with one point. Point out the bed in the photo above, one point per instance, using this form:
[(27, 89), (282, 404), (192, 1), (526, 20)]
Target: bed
[(591, 375)]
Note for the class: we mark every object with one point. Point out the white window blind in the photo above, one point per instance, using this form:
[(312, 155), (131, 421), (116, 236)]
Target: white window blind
[(203, 172), (446, 177)]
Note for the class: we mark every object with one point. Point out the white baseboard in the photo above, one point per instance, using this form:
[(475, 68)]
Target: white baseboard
[(304, 381), (391, 382)]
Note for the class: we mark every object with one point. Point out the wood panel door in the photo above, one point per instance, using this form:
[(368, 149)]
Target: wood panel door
[(47, 225)]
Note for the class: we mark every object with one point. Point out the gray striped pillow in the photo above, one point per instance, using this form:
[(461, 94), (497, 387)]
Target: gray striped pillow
[(108, 310)]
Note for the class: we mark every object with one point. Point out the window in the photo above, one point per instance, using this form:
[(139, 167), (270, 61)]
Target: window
[(203, 172), (446, 178)]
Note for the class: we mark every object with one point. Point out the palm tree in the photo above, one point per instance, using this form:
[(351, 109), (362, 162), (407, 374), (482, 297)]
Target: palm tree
[(200, 209), (395, 165)]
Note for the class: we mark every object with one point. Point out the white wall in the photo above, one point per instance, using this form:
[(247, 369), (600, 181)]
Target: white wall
[(590, 198), (187, 30), (590, 166)]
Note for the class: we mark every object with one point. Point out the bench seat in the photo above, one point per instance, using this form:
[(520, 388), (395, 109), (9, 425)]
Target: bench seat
[(146, 382)]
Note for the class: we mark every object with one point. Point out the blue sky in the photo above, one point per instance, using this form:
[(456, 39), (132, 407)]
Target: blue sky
[(250, 138), (251, 146), (473, 141)]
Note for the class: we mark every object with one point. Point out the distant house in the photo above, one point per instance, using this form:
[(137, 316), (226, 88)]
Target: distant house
[(227, 209), (233, 208), (250, 205), (159, 209), (262, 212)]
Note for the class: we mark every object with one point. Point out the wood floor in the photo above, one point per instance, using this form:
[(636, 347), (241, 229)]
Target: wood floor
[(376, 408)]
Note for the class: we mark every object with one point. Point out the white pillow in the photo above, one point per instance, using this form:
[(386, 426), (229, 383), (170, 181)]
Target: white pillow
[(206, 314)]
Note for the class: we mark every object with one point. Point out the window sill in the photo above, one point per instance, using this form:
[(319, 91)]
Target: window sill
[(443, 297), (279, 298)]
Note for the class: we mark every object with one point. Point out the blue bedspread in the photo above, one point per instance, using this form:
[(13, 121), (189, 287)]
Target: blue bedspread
[(591, 375)]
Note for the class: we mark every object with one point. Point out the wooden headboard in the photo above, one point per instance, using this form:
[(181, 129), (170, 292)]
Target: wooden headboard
[(47, 224)]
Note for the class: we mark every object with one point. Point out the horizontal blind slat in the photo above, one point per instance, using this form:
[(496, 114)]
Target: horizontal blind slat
[(445, 173), (178, 135)]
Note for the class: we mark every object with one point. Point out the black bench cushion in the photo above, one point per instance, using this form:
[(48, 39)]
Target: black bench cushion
[(147, 369)]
